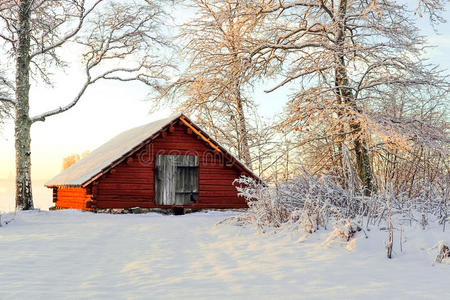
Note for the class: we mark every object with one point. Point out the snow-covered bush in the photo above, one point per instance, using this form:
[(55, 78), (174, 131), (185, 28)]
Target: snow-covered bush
[(312, 201), (303, 200), (307, 199), (265, 208)]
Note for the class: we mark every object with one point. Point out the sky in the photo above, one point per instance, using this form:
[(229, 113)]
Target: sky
[(109, 108)]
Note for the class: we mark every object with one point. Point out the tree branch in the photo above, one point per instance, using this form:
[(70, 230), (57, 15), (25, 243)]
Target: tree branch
[(282, 6), (61, 109), (89, 82), (291, 78), (8, 100), (118, 33), (289, 47), (64, 39)]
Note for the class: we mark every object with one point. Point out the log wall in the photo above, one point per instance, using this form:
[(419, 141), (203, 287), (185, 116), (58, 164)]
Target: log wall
[(72, 197)]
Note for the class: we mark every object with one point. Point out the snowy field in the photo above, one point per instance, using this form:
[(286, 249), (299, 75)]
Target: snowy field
[(79, 255)]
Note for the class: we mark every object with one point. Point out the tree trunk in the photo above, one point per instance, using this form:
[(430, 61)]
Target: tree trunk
[(363, 164), (236, 73), (343, 90), (24, 199), (243, 134)]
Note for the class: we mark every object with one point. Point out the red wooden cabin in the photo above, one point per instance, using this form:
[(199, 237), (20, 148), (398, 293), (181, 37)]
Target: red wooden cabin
[(165, 164)]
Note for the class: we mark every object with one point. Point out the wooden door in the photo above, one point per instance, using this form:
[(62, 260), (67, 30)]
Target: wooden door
[(176, 179)]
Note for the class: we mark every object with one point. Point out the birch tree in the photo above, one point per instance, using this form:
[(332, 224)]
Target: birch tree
[(214, 85), (341, 57), (117, 40)]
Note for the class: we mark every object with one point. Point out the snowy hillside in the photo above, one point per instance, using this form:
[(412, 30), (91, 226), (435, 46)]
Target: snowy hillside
[(72, 254)]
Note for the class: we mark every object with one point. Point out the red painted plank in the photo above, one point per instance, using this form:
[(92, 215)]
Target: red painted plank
[(143, 181), (116, 197), (225, 182), (210, 193), (218, 176), (126, 186), (125, 192)]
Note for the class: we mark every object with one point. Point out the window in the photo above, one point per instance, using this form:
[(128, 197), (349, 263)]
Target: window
[(176, 180)]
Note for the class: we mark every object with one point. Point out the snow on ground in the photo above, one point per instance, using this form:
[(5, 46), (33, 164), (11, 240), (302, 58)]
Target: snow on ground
[(79, 255)]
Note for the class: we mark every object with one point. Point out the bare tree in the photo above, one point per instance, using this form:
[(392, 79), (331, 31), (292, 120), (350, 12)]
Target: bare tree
[(117, 40), (432, 8), (418, 153), (214, 83), (342, 57)]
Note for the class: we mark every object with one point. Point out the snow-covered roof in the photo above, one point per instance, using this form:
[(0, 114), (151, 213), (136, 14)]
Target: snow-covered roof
[(93, 163), (116, 148)]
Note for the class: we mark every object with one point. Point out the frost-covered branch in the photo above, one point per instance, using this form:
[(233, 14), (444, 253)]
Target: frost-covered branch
[(354, 65), (108, 75), (8, 100), (119, 34), (5, 91), (282, 5), (83, 13), (213, 87), (61, 109)]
